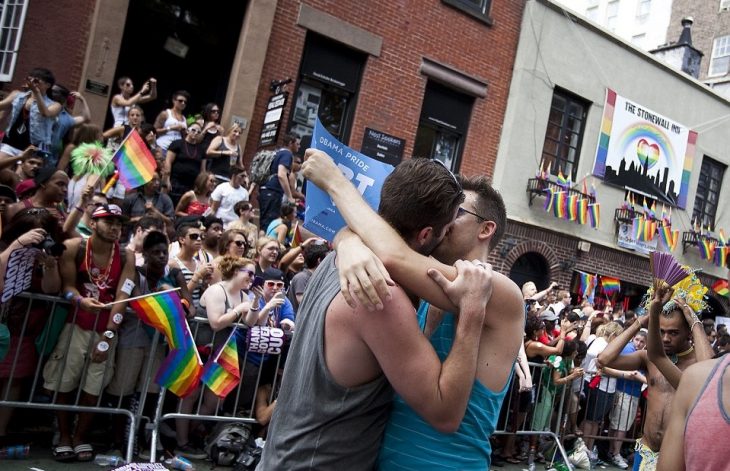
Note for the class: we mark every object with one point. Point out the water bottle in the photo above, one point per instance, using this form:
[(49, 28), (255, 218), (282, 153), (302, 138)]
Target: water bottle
[(180, 463), (108, 460), (17, 452)]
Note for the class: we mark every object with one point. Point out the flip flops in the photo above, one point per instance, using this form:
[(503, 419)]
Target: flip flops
[(64, 454), (84, 452)]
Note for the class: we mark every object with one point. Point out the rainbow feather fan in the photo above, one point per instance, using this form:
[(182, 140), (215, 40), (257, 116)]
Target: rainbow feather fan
[(665, 270), (91, 159)]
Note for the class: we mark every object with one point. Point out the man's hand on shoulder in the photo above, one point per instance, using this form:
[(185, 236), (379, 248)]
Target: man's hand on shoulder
[(471, 289)]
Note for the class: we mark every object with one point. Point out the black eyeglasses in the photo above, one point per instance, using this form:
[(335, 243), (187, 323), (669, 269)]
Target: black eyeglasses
[(463, 211), (239, 243), (196, 236)]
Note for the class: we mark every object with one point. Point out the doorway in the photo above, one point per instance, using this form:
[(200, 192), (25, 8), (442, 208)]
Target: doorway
[(531, 266)]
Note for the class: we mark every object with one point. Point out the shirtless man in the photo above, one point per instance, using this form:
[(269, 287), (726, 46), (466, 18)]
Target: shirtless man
[(684, 343), (479, 225)]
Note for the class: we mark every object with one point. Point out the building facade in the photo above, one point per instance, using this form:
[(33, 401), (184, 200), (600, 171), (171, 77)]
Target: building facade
[(643, 23), (572, 83)]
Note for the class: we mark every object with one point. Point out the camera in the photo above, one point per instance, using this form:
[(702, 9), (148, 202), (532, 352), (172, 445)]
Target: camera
[(51, 247)]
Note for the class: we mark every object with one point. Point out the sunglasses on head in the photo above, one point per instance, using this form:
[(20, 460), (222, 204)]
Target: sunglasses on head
[(196, 236), (274, 284)]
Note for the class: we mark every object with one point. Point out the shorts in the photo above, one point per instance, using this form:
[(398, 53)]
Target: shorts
[(131, 365), (70, 363), (598, 403), (623, 412), (10, 150)]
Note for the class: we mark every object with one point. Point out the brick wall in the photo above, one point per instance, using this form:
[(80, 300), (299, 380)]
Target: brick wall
[(55, 36), (392, 89)]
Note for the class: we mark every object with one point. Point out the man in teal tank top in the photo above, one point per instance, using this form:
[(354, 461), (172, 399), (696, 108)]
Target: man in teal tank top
[(409, 441)]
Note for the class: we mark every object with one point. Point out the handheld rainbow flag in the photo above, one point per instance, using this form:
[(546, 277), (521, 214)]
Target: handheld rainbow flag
[(721, 287), (222, 372), (135, 162), (610, 285), (587, 285), (164, 312), (296, 236), (181, 371)]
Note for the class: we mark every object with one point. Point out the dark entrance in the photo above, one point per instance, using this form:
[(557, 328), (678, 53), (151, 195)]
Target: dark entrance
[(185, 44), (531, 267)]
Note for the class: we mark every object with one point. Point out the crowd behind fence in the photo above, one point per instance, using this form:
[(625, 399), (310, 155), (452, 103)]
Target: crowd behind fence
[(544, 418)]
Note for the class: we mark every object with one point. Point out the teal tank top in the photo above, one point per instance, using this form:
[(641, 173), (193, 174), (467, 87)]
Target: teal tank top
[(411, 443)]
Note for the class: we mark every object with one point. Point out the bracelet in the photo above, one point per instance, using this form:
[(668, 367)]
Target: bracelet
[(694, 324), (78, 208)]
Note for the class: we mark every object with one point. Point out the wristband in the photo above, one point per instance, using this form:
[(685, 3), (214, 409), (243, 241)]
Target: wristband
[(68, 295), (694, 324)]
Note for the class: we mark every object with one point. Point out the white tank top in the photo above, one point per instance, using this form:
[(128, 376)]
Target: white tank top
[(119, 113), (167, 138)]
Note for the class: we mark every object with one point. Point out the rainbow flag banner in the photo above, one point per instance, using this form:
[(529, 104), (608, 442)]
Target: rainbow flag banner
[(181, 371), (587, 285), (721, 287), (135, 162), (707, 248), (222, 372), (583, 211), (594, 215), (572, 208), (561, 180), (637, 227), (610, 285), (668, 237), (164, 312), (560, 204), (720, 257)]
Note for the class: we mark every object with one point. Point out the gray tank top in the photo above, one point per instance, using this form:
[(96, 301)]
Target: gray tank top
[(318, 424)]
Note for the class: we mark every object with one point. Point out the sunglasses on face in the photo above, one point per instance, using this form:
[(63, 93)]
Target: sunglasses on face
[(246, 270), (196, 236), (181, 100), (274, 284), (239, 243), (194, 131)]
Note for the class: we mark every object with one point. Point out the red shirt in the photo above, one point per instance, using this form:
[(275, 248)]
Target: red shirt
[(104, 293)]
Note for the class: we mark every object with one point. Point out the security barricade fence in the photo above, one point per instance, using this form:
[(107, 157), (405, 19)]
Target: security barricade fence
[(49, 366)]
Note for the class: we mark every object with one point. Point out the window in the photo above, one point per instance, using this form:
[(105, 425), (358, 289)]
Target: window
[(612, 14), (720, 56), (479, 9), (724, 5), (642, 11), (12, 18), (708, 192), (441, 133), (564, 133)]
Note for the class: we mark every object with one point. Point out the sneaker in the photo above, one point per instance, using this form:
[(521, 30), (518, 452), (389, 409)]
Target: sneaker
[(619, 461), (190, 452)]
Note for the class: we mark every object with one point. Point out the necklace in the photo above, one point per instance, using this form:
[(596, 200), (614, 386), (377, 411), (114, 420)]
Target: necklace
[(97, 276), (675, 358)]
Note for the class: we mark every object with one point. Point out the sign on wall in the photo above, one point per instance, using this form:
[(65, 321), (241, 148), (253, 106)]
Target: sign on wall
[(643, 151), (382, 146)]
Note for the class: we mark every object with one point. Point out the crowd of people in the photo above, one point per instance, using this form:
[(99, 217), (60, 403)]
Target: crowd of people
[(362, 386), (191, 227)]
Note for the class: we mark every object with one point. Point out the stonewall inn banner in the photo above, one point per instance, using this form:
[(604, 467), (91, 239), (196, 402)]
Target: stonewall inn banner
[(644, 152)]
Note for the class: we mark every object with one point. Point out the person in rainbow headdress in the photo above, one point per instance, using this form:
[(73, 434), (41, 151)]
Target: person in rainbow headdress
[(676, 340)]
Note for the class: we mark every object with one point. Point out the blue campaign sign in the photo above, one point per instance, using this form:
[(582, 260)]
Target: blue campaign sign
[(367, 174)]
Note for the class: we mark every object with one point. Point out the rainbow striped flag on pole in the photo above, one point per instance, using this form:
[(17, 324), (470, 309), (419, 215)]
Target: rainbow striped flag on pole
[(181, 371), (588, 284), (222, 372), (610, 285), (721, 287), (135, 162)]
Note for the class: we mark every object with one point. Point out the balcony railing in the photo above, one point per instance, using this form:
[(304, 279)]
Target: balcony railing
[(537, 186)]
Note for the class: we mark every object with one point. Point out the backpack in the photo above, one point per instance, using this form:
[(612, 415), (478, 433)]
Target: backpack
[(261, 166), (226, 442)]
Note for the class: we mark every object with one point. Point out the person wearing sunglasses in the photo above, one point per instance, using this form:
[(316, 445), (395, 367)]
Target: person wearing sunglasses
[(197, 274), (170, 124), (232, 242), (183, 160), (126, 98)]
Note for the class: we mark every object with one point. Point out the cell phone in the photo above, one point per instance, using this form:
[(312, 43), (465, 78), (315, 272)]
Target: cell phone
[(257, 282)]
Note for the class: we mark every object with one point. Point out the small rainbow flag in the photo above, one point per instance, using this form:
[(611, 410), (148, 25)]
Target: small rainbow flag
[(562, 181), (572, 208), (610, 285), (587, 285), (594, 215), (296, 236), (637, 227), (668, 237), (583, 211), (164, 312), (135, 162), (707, 248), (721, 287), (181, 371), (560, 204), (549, 197), (721, 256), (222, 372), (649, 230)]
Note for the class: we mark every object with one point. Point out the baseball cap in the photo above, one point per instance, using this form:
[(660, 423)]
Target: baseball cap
[(548, 315), (273, 274), (7, 192), (108, 211), (24, 187)]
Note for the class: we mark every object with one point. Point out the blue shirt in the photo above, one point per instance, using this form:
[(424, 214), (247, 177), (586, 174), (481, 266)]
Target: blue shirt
[(283, 157), (286, 311), (411, 443), (628, 386)]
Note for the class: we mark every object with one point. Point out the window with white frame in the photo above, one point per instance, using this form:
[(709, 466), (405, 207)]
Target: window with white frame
[(720, 56), (12, 18), (642, 11), (612, 14)]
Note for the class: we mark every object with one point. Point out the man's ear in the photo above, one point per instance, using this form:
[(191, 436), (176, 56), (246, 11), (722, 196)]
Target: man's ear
[(424, 236), (488, 229)]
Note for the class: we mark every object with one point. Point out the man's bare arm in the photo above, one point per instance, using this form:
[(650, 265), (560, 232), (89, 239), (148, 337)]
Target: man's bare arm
[(611, 355)]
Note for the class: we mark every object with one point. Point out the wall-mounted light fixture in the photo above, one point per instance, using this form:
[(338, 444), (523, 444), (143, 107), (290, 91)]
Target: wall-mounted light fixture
[(507, 245)]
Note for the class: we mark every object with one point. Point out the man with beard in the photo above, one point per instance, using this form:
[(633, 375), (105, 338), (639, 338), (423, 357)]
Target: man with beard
[(336, 390), (410, 440), (94, 272), (675, 341)]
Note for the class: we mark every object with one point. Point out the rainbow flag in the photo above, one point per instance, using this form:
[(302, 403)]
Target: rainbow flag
[(583, 211), (668, 237), (587, 285), (560, 204), (181, 371), (721, 287), (707, 248), (572, 208), (594, 215), (296, 236), (222, 372), (649, 230), (135, 162), (720, 257), (610, 285), (549, 198), (164, 312), (562, 181), (637, 227)]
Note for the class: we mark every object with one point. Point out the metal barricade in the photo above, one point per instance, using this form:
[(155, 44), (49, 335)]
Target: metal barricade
[(50, 357)]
